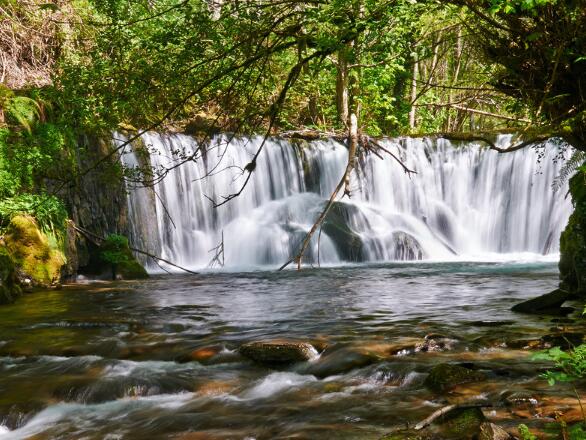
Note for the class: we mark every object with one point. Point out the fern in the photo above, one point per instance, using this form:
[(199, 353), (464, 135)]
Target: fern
[(569, 168), (49, 211)]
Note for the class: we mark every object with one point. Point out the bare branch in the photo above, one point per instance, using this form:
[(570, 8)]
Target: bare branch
[(95, 237)]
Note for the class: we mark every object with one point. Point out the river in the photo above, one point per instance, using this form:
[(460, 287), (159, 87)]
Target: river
[(159, 358)]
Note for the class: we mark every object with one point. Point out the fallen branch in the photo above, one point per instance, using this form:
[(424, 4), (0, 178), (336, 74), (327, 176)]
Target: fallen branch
[(447, 409), (313, 135), (342, 183), (94, 237), (469, 137)]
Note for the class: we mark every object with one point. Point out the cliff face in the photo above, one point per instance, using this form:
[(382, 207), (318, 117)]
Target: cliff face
[(97, 202)]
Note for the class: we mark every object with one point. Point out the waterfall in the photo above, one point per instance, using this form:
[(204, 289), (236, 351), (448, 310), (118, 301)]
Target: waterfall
[(465, 202)]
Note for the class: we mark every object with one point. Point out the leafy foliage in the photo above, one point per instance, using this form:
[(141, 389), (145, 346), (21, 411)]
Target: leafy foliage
[(49, 211), (525, 433), (570, 365), (115, 249)]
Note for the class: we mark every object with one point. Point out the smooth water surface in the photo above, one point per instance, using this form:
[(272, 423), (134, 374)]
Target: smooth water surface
[(158, 358)]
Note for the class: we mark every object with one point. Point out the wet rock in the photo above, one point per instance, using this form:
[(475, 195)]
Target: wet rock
[(338, 226), (444, 377), (406, 434), (462, 424), (527, 344), (15, 415), (550, 303), (406, 247), (453, 423), (518, 398), (435, 342), (203, 354), (565, 340), (563, 320), (278, 351), (215, 388), (341, 360), (490, 431), (490, 323)]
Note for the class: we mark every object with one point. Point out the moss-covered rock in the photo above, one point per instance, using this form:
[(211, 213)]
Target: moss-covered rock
[(278, 351), (459, 423), (463, 424), (443, 377), (9, 288), (490, 431), (406, 434), (115, 253), (34, 253), (573, 240)]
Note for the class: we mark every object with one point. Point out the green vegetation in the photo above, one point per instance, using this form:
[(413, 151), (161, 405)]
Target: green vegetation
[(570, 365), (35, 252), (573, 239), (116, 253), (525, 433)]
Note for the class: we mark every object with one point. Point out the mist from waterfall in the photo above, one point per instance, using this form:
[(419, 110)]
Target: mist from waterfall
[(465, 202)]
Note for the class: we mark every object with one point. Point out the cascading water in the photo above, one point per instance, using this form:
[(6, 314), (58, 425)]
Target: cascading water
[(465, 201)]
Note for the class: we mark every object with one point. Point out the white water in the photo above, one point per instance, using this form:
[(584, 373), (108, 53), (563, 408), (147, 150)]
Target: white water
[(465, 202)]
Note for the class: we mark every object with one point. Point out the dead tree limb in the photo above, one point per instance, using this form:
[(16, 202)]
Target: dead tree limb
[(377, 145), (447, 409), (96, 238), (219, 254), (342, 183), (469, 137)]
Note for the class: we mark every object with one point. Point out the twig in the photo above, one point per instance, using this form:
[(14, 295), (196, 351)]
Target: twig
[(407, 170), (446, 409), (219, 249)]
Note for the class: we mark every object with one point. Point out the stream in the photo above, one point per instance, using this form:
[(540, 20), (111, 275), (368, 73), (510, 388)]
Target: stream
[(159, 358)]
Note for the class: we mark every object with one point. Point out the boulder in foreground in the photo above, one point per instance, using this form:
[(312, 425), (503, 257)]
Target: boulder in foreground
[(278, 351), (444, 377)]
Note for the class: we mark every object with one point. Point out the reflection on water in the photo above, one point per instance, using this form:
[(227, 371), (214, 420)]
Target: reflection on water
[(158, 358)]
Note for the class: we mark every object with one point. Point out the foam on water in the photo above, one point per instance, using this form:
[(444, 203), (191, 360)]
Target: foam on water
[(86, 415), (276, 383)]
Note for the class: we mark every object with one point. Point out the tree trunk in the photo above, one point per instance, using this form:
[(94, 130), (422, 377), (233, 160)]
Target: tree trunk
[(412, 114), (342, 87)]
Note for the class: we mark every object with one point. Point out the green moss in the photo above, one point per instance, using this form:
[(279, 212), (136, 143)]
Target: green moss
[(32, 251), (9, 288), (403, 435), (116, 252), (464, 424), (572, 263), (443, 377)]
